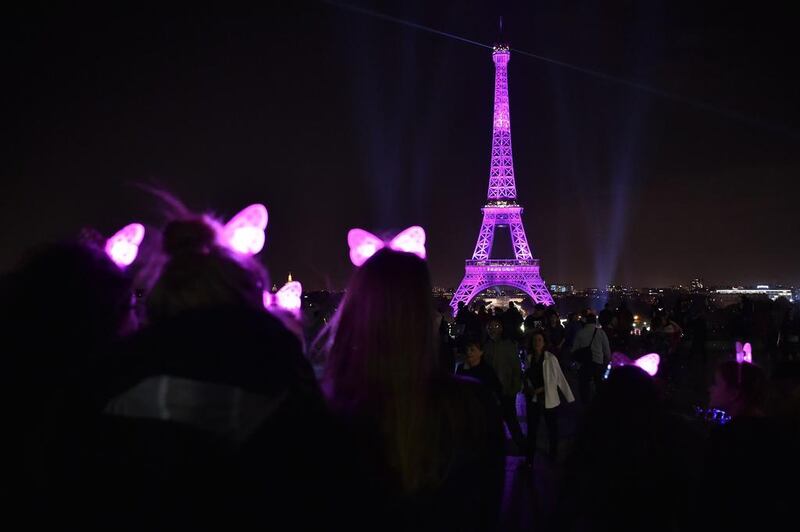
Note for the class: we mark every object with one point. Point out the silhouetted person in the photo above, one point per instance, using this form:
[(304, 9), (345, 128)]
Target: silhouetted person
[(447, 359), (432, 443), (62, 309), (536, 320), (475, 368), (624, 324), (605, 316), (574, 324), (502, 355), (633, 466), (753, 454), (214, 411), (468, 321), (555, 334), (790, 334), (592, 337), (512, 322)]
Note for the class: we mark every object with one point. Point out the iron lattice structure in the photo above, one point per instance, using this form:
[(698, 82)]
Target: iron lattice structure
[(501, 210)]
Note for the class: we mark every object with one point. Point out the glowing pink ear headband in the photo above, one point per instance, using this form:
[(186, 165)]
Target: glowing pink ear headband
[(123, 247), (287, 298), (744, 353), (364, 244), (648, 363), (245, 232)]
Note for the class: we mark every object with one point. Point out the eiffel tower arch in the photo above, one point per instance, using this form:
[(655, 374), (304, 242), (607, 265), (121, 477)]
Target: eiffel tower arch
[(501, 211)]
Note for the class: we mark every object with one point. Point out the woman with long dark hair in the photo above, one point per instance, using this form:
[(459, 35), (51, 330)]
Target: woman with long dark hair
[(435, 440), (542, 382)]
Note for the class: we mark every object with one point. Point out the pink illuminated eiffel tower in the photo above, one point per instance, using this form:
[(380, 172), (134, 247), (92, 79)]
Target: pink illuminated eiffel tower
[(501, 210)]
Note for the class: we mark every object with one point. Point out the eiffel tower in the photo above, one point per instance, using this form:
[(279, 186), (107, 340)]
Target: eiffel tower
[(501, 210)]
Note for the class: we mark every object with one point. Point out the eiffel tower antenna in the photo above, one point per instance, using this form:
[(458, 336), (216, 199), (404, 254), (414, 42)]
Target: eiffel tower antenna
[(501, 210)]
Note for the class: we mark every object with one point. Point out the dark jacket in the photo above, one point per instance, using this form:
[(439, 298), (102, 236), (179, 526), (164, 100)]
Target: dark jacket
[(169, 468), (484, 373)]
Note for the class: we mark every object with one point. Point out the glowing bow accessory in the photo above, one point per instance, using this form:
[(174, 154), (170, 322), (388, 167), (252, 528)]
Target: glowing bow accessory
[(245, 232), (123, 247), (744, 353), (287, 298), (364, 244), (648, 363)]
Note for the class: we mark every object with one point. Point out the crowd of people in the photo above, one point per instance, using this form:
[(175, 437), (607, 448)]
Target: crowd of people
[(175, 400)]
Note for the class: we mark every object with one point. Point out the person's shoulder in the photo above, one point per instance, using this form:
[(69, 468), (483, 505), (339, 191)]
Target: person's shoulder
[(462, 388)]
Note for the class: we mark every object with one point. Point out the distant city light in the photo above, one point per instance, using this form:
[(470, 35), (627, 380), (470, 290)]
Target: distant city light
[(763, 290)]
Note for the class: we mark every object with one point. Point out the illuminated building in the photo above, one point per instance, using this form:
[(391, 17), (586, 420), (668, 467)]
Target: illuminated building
[(501, 210)]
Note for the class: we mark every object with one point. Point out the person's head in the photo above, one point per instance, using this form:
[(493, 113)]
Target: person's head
[(739, 389), (553, 319), (625, 407), (384, 327), (589, 317), (538, 342), (199, 273), (70, 294), (511, 305), (538, 310), (784, 391), (474, 352), (495, 329), (461, 305)]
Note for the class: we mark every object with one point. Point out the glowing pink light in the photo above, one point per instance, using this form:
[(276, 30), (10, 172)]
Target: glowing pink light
[(123, 247), (245, 232), (744, 353), (364, 244), (287, 298), (648, 363)]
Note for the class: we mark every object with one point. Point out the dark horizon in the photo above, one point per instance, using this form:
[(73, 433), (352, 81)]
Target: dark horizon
[(336, 119)]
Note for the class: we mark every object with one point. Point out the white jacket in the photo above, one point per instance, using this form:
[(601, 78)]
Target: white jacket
[(553, 380)]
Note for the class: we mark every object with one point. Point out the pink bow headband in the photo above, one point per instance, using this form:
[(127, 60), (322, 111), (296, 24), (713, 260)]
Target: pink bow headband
[(123, 247), (244, 234), (744, 353), (648, 363), (287, 298), (364, 244)]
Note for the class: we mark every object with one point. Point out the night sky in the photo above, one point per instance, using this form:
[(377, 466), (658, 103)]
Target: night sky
[(335, 119)]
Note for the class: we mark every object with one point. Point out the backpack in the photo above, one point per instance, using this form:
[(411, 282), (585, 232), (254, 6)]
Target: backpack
[(584, 354)]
